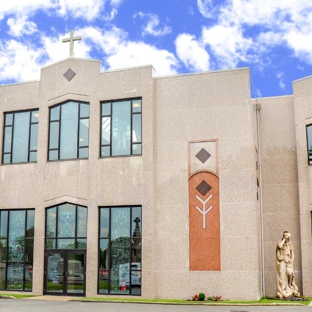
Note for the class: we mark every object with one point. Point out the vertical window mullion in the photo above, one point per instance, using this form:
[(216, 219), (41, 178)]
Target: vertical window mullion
[(78, 130), (11, 155), (29, 136), (60, 130), (111, 131)]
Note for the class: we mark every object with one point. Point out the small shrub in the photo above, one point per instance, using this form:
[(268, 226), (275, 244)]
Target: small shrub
[(201, 296)]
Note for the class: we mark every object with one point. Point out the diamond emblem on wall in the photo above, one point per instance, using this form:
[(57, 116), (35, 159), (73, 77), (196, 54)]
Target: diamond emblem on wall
[(69, 74), (202, 155), (203, 187)]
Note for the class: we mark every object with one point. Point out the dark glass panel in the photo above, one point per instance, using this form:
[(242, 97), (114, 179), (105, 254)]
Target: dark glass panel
[(81, 243), (136, 106), (136, 128), (7, 139), (51, 222), (35, 116), (4, 224), (83, 152), (84, 132), (8, 119), (69, 131), (106, 109), (66, 220), (6, 158), (55, 113), (82, 222), (29, 256), (104, 254), (136, 149), (54, 135), (103, 281), (50, 244), (53, 155), (64, 243), (105, 151), (84, 110), (20, 137), (30, 223), (136, 222), (3, 253), (28, 278), (136, 256), (2, 276), (33, 156), (106, 125), (121, 128), (104, 222), (135, 282), (33, 137), (15, 277)]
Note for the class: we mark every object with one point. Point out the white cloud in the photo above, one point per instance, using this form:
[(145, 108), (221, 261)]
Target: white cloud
[(66, 8), (19, 62), (121, 52), (21, 26), (205, 7), (227, 43), (152, 26), (280, 76), (192, 54)]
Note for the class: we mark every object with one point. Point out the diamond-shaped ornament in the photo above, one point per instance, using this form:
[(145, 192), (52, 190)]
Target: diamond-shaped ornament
[(202, 155), (203, 187), (69, 74)]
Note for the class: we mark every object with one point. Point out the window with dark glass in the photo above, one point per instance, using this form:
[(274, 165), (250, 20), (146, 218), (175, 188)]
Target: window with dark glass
[(16, 249), (66, 227), (120, 246), (121, 128), (20, 137), (69, 131), (309, 143)]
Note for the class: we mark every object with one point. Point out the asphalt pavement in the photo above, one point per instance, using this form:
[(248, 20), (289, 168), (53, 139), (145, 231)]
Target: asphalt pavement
[(44, 305)]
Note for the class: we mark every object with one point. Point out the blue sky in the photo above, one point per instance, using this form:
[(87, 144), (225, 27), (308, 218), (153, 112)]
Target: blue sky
[(271, 37)]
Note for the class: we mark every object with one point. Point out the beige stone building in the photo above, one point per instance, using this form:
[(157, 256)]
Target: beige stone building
[(123, 183)]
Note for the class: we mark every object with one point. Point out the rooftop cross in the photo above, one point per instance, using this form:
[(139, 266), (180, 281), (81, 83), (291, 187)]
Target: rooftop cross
[(71, 40)]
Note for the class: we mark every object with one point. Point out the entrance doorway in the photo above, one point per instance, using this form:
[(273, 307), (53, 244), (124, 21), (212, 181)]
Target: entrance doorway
[(65, 272)]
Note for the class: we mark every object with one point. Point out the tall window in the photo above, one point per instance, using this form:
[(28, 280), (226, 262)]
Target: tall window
[(66, 227), (121, 128), (69, 131), (120, 250), (309, 143), (20, 137), (16, 249)]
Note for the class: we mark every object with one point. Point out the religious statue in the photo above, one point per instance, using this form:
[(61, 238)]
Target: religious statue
[(286, 286)]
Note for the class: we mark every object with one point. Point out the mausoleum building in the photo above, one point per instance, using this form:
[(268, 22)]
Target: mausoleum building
[(122, 183)]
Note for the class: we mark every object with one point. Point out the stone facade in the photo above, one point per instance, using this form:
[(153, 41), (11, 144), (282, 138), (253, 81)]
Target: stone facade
[(258, 156)]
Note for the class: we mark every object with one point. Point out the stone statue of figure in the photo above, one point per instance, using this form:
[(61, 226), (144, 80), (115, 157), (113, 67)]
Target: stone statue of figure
[(286, 286)]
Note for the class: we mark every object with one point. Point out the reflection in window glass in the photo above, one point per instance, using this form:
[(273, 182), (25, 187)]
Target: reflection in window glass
[(20, 137), (309, 143), (66, 227), (16, 249), (120, 251), (69, 131), (121, 129)]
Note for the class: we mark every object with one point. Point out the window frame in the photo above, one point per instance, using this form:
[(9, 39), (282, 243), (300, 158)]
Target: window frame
[(308, 152), (108, 237), (132, 113), (58, 149), (12, 136), (26, 238)]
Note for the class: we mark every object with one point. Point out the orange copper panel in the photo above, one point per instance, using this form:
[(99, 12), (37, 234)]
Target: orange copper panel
[(204, 218)]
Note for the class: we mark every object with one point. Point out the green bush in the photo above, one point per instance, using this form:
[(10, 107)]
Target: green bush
[(201, 296)]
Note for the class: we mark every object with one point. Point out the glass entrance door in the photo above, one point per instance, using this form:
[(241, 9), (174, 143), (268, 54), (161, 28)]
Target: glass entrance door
[(65, 273)]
